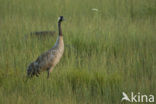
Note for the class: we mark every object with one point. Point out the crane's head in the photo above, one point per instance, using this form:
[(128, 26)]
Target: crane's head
[(60, 19)]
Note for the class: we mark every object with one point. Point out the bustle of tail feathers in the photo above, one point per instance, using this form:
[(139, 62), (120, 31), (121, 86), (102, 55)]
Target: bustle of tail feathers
[(33, 69)]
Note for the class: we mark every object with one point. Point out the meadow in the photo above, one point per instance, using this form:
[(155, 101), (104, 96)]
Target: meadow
[(107, 52)]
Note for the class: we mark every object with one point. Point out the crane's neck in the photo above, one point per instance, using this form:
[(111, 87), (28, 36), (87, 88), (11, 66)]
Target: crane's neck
[(59, 41), (60, 29)]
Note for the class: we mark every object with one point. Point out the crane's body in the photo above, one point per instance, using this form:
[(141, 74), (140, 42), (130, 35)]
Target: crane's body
[(48, 60)]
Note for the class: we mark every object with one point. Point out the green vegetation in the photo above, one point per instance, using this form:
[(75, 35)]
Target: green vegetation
[(107, 52)]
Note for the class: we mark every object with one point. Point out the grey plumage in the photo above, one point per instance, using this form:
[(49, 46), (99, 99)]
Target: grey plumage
[(48, 60)]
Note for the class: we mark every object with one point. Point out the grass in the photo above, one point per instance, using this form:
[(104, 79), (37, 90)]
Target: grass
[(107, 52)]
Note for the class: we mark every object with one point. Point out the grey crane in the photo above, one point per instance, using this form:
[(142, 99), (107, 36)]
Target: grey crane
[(48, 60)]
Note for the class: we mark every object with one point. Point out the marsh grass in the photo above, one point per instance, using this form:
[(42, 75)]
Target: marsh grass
[(106, 52)]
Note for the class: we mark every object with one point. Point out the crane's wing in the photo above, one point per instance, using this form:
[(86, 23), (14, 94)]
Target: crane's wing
[(46, 58)]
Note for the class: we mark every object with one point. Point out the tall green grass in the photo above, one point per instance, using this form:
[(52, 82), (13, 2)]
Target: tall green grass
[(106, 52)]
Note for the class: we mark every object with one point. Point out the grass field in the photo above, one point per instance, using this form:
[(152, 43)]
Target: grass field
[(109, 51)]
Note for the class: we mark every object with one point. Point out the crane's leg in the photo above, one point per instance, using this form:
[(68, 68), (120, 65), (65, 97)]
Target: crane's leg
[(48, 74), (49, 70)]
